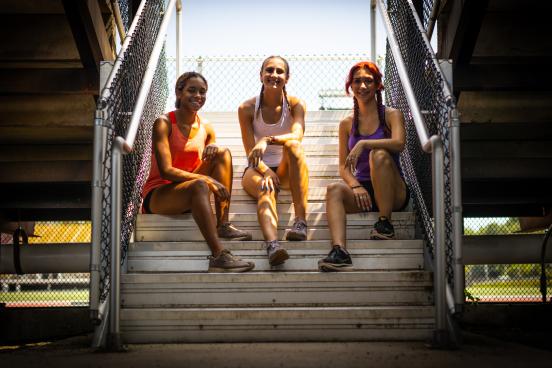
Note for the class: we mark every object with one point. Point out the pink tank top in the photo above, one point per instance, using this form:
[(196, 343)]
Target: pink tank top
[(185, 153)]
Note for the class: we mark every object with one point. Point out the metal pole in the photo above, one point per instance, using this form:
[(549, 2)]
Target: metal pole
[(373, 30), (178, 30), (440, 335), (118, 19), (114, 338), (458, 218), (96, 215)]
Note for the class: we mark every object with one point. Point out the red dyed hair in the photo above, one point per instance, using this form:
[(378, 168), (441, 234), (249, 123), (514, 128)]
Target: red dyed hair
[(371, 67)]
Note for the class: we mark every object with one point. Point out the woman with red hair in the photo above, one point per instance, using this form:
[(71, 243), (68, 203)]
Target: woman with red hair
[(370, 141)]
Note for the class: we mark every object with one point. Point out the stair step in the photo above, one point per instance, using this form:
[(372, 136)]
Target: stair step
[(304, 256), (324, 170), (314, 219), (159, 325), (276, 289), (313, 183)]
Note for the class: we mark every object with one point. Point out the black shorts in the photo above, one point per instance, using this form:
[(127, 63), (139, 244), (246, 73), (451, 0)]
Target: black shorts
[(146, 202), (368, 186)]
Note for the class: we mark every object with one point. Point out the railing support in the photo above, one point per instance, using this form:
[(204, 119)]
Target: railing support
[(178, 30), (114, 338), (373, 30), (440, 334), (97, 193), (458, 217)]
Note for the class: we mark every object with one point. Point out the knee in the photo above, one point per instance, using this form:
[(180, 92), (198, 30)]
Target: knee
[(224, 155), (335, 190), (293, 147), (199, 188), (380, 158)]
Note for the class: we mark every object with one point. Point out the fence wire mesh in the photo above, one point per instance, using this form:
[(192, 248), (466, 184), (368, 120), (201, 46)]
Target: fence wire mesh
[(503, 282), (427, 83), (317, 79), (118, 107), (47, 289)]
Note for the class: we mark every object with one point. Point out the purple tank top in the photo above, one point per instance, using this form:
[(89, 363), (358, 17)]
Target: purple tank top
[(363, 164)]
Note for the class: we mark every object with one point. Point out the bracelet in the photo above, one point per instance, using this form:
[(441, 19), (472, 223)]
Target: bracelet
[(356, 186), (270, 139)]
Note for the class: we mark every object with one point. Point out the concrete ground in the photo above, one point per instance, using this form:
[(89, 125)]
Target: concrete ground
[(477, 351)]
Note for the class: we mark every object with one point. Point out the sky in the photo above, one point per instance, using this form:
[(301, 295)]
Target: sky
[(286, 27)]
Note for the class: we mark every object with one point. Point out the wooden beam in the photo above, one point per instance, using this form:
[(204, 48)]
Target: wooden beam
[(41, 81), (462, 29), (501, 77), (85, 19)]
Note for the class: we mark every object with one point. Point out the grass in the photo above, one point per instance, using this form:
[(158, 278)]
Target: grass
[(517, 289)]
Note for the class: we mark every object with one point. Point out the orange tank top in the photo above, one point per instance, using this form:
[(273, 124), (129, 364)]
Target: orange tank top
[(185, 153)]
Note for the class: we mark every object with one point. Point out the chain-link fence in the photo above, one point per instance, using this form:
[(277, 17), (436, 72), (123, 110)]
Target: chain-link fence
[(427, 84), (317, 79), (118, 109), (503, 282), (47, 289)]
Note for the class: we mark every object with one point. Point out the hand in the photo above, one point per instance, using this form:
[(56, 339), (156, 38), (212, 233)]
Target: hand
[(270, 182), (256, 154), (218, 189), (362, 198), (352, 159), (210, 151)]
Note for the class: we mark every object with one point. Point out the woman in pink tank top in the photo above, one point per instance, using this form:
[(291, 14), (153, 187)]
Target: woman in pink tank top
[(187, 166), (272, 126), (370, 140)]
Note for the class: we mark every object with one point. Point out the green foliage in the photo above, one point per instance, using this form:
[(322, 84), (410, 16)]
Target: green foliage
[(494, 228)]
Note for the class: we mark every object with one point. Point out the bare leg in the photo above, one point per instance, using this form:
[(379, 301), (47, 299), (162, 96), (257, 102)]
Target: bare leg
[(220, 169), (389, 187), (340, 200), (294, 173), (173, 199), (266, 204)]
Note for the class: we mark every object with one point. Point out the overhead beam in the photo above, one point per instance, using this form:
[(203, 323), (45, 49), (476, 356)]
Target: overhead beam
[(41, 81), (462, 29), (491, 77), (87, 26)]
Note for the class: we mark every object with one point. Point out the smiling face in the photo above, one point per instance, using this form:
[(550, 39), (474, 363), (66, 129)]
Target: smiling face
[(363, 84), (274, 73), (192, 95)]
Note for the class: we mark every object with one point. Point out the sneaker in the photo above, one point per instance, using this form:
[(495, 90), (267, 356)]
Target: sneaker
[(229, 231), (276, 254), (338, 260), (298, 230), (227, 262), (382, 229)]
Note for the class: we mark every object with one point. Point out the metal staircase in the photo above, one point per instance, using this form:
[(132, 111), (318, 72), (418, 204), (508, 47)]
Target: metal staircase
[(166, 295)]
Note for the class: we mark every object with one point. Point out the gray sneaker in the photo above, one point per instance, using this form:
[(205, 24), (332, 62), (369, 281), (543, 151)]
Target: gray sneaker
[(227, 262), (298, 230), (229, 231), (276, 254)]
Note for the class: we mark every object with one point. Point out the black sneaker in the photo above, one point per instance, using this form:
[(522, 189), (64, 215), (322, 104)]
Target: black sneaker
[(338, 260), (276, 254), (383, 230)]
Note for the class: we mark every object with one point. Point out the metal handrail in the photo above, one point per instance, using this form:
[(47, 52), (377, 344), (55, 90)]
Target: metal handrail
[(124, 146), (434, 146), (100, 134), (456, 302)]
